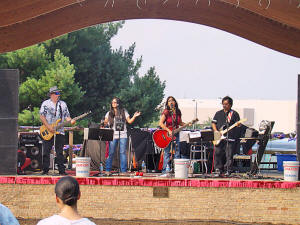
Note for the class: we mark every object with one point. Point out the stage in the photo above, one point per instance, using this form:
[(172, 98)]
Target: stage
[(266, 180), (150, 197)]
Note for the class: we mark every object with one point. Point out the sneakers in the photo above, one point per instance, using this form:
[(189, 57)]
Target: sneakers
[(107, 173), (45, 173), (164, 175), (63, 173), (217, 173), (228, 173)]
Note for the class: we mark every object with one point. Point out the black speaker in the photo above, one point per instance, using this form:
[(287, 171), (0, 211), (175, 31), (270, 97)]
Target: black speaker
[(9, 107), (31, 144)]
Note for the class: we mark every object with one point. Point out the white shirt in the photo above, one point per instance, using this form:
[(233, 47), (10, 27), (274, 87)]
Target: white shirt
[(52, 112), (123, 134), (59, 220)]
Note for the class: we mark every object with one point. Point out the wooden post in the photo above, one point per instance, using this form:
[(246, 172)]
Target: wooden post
[(70, 149)]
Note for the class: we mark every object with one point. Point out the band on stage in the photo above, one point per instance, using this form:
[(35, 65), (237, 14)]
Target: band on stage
[(225, 129)]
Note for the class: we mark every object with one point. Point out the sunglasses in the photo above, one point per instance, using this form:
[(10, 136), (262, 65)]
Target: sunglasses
[(57, 93)]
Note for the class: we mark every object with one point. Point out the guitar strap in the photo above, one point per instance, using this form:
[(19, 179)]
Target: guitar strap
[(60, 110), (229, 116), (55, 109), (61, 115)]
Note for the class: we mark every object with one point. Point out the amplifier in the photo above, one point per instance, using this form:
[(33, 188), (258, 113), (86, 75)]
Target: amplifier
[(242, 163), (29, 138), (31, 144)]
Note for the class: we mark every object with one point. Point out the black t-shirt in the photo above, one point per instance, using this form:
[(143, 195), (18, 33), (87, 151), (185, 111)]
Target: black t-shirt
[(220, 121)]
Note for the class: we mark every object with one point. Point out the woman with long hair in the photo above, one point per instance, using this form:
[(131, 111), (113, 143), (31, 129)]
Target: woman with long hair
[(67, 194), (171, 119), (116, 119)]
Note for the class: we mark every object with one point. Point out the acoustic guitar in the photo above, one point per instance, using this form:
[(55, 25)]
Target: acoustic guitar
[(162, 138), (220, 135), (47, 135)]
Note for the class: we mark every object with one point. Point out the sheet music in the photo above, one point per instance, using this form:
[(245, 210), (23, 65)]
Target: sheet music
[(195, 134)]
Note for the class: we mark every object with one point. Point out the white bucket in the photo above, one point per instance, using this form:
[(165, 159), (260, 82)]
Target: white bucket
[(181, 168), (83, 166), (291, 169)]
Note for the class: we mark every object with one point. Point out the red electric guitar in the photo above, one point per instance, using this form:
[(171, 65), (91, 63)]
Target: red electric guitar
[(162, 139)]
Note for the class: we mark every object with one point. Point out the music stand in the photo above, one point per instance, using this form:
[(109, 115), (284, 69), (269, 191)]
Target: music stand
[(102, 134), (98, 134)]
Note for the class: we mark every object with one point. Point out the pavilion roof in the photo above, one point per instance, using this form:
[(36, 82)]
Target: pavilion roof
[(271, 23)]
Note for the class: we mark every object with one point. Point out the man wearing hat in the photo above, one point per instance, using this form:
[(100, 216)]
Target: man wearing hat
[(52, 110)]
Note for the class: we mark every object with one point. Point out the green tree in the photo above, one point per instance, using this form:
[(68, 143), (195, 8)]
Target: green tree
[(144, 94), (38, 76), (103, 73), (100, 72), (30, 61), (59, 72), (29, 117), (89, 73)]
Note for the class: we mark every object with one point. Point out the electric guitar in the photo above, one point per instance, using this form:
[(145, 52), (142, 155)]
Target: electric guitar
[(219, 135), (47, 135), (162, 138)]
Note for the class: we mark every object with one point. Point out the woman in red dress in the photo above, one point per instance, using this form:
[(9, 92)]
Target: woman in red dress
[(170, 120)]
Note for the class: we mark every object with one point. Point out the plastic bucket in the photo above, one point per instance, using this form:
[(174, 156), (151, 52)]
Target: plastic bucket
[(181, 168), (83, 166), (291, 169), (284, 157)]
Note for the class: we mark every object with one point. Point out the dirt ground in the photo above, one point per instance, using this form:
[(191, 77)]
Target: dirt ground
[(145, 222)]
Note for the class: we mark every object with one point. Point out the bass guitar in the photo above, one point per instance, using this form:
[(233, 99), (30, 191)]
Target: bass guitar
[(162, 138), (220, 135), (47, 135)]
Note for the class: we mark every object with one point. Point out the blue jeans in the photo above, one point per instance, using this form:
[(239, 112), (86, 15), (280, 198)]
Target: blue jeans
[(167, 153), (123, 159)]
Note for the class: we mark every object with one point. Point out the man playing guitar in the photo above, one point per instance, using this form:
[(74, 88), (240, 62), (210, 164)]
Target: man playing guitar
[(52, 110), (170, 120), (224, 119)]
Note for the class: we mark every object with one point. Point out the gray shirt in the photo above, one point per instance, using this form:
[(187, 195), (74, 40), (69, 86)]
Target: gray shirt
[(52, 112), (123, 134)]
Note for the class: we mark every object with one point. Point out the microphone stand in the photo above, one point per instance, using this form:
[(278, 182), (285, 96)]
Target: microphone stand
[(54, 153), (173, 141), (32, 117), (227, 137), (119, 127)]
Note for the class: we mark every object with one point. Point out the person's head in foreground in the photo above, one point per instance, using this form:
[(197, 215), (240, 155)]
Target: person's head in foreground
[(67, 194)]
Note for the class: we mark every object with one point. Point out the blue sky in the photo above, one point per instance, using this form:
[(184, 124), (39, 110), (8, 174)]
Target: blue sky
[(201, 62)]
